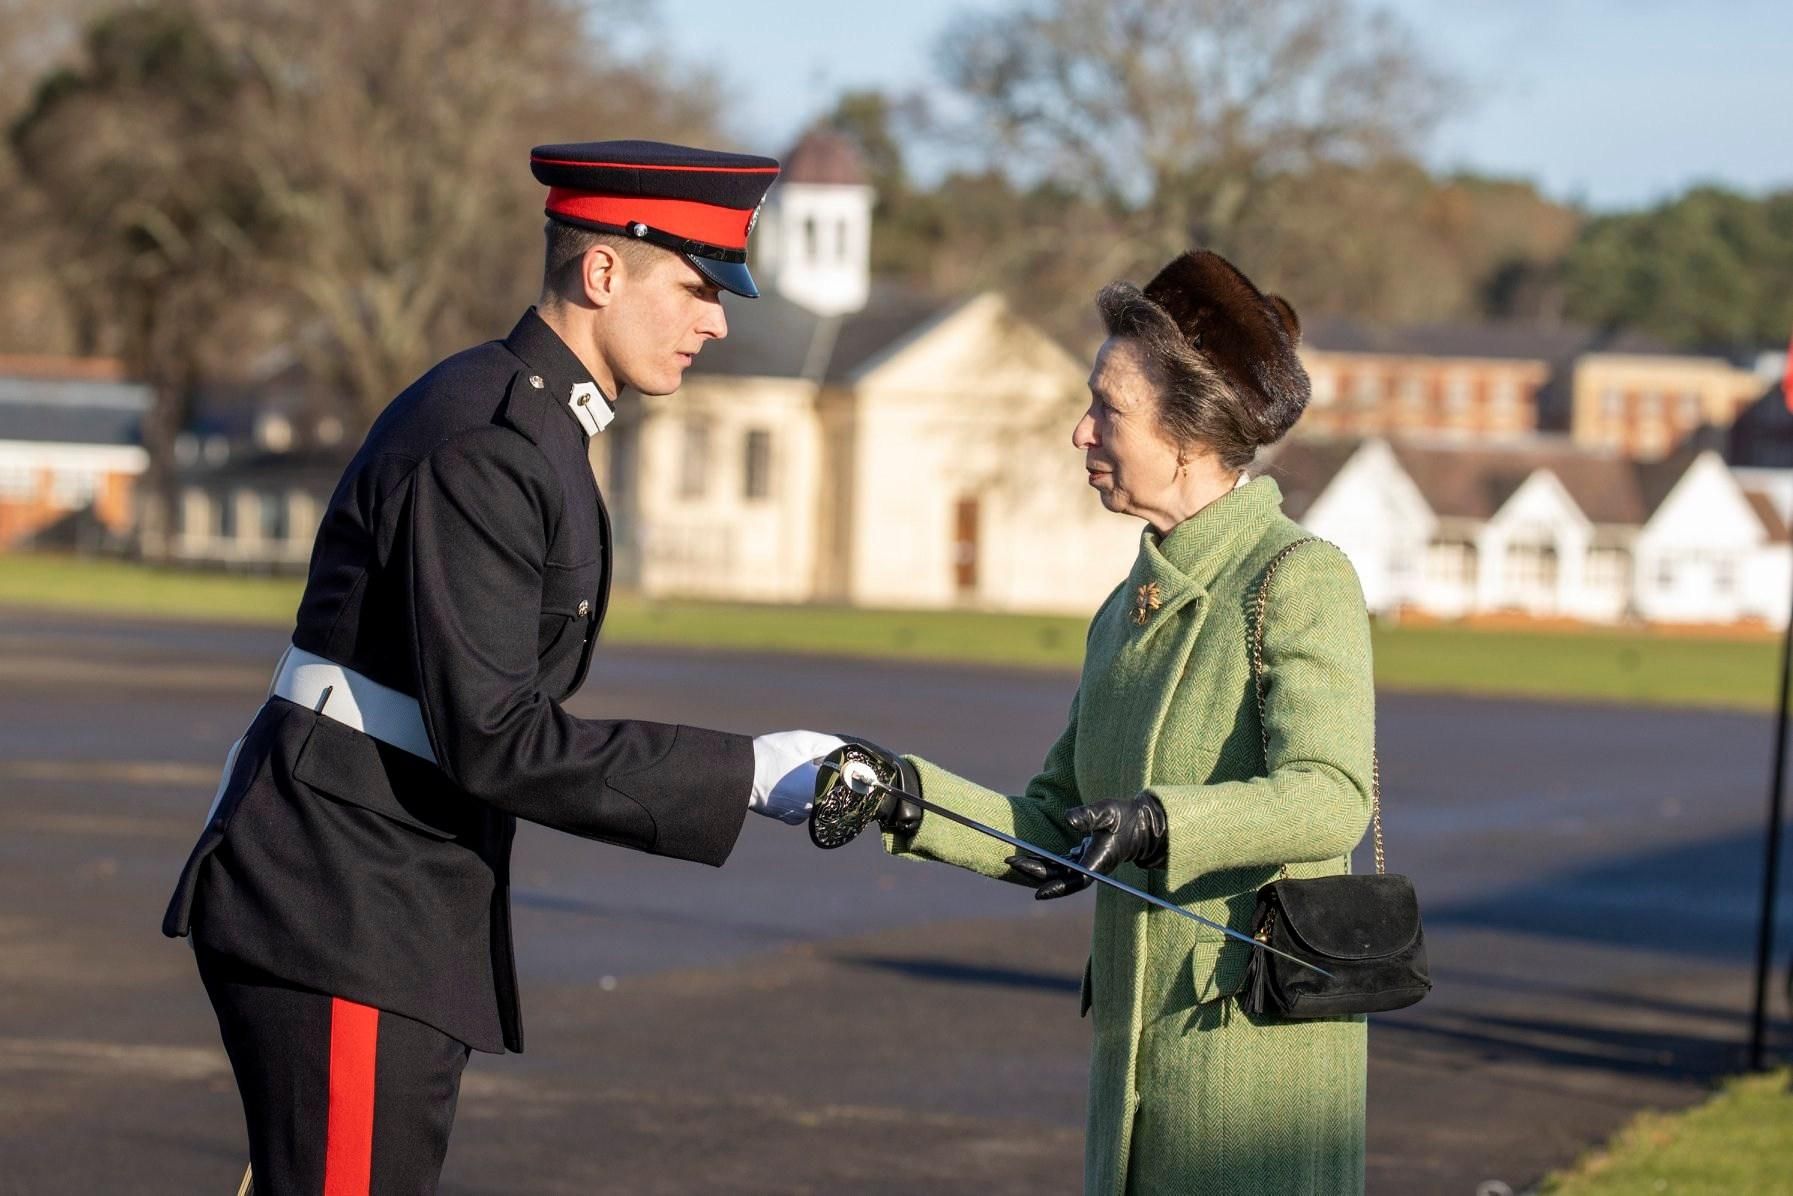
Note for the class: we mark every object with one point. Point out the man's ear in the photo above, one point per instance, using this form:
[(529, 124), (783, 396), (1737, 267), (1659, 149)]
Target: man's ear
[(601, 272)]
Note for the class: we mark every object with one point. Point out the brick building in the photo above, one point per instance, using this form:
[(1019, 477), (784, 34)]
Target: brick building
[(71, 451)]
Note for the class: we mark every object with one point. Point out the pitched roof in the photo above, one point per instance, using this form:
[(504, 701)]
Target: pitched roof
[(1656, 478), (1473, 481), (1772, 523), (1303, 467), (1762, 434), (315, 470), (1509, 340), (72, 410), (768, 337), (773, 337), (823, 155)]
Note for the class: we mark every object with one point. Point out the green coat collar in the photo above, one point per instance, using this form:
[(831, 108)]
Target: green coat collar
[(1174, 569)]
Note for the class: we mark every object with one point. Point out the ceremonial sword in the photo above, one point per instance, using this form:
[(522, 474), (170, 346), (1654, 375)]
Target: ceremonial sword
[(848, 802)]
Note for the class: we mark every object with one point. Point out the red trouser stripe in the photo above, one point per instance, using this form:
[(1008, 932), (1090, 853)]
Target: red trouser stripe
[(349, 1135)]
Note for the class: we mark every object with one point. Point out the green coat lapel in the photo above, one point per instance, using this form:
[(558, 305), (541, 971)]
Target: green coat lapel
[(1140, 645)]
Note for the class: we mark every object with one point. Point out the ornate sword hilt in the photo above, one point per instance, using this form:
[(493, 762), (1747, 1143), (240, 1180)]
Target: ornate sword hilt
[(849, 783)]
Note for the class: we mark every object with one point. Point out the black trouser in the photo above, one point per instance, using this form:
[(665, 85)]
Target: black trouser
[(341, 1099)]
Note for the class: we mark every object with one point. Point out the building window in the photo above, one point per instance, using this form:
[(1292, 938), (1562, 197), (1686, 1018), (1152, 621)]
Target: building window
[(1689, 409), (275, 525), (1456, 394), (1665, 573), (1505, 397), (1413, 393), (1724, 576), (1607, 568), (301, 515), (840, 240), (694, 465), (70, 488), (1366, 388), (1451, 562), (1650, 405), (1531, 566), (17, 481), (1325, 386), (1612, 402), (196, 513), (757, 469), (227, 516), (811, 248)]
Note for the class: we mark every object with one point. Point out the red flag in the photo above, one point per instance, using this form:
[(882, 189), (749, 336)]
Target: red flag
[(1787, 378)]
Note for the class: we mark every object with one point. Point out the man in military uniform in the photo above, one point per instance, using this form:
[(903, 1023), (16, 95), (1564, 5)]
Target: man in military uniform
[(348, 898)]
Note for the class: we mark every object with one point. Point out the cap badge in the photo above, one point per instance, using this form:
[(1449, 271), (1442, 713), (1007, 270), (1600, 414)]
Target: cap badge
[(590, 407)]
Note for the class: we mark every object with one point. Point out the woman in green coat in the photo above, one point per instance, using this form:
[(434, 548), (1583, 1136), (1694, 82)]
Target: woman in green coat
[(1162, 775)]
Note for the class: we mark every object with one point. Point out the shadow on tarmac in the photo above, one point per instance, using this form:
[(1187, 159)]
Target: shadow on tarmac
[(1698, 899), (948, 972)]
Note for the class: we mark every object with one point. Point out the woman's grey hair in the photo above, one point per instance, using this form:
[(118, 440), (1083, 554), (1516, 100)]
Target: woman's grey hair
[(1197, 407)]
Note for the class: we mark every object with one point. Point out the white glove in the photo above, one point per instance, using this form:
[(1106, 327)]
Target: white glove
[(784, 772)]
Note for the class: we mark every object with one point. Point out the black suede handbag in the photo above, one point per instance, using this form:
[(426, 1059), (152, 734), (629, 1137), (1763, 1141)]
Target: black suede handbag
[(1365, 930)]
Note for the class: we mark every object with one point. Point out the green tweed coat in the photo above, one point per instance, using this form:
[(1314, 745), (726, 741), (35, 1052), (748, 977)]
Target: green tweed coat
[(1189, 1094)]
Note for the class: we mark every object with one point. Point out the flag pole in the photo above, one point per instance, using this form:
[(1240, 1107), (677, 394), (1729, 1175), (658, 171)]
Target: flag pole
[(1758, 1021)]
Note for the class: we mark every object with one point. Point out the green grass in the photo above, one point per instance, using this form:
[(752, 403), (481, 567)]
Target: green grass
[(1616, 666), (1031, 640), (1740, 1141), (125, 588), (1653, 668)]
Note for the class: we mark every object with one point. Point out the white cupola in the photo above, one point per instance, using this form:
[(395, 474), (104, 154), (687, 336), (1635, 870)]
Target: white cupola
[(813, 243)]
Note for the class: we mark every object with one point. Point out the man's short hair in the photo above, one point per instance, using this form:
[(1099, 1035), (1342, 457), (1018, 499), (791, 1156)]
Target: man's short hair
[(566, 245)]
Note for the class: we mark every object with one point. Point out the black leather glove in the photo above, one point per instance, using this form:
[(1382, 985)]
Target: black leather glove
[(896, 815), (1114, 832)]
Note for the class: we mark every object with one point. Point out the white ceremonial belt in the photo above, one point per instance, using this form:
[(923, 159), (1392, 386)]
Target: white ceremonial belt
[(345, 696)]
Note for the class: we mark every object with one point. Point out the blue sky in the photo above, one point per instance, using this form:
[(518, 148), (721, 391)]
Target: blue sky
[(1611, 103)]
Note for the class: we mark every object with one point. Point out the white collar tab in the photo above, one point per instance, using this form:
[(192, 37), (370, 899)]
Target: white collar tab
[(591, 408)]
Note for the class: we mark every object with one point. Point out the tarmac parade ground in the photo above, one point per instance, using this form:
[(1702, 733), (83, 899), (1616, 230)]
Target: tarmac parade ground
[(839, 1022)]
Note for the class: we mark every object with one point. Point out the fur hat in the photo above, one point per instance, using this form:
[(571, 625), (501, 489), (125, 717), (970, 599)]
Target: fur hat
[(1248, 337)]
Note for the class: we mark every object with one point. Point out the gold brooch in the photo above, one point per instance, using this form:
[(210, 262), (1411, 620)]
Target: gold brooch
[(1149, 599)]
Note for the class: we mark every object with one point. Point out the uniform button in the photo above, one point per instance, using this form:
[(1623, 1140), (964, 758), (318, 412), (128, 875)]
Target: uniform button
[(584, 608), (535, 380)]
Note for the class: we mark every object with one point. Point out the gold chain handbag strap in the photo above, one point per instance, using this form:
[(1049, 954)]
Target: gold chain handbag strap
[(1257, 680)]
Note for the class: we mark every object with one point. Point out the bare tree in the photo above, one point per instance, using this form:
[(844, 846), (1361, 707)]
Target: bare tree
[(1173, 119), (346, 180), (35, 36), (144, 208), (391, 143)]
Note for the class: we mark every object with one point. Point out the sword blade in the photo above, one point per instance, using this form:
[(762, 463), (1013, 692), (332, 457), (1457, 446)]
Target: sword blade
[(1099, 877)]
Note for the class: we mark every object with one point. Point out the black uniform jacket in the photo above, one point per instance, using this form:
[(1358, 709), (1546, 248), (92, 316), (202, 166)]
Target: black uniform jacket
[(465, 560)]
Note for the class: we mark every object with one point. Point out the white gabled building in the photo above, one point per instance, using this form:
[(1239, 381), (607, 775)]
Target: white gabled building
[(1355, 493), (861, 444), (1547, 530), (1704, 544)]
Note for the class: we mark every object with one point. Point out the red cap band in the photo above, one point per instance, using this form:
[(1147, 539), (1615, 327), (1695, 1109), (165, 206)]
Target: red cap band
[(725, 228)]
